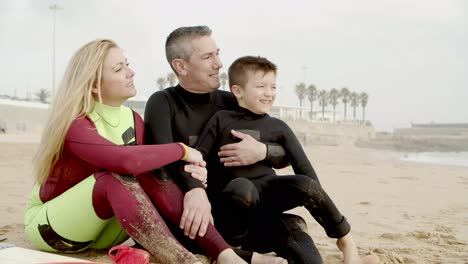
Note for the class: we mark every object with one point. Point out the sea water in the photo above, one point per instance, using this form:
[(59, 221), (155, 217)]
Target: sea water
[(442, 158)]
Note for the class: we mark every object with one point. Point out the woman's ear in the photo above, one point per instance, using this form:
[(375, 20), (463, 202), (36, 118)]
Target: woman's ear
[(236, 91), (180, 66), (95, 90)]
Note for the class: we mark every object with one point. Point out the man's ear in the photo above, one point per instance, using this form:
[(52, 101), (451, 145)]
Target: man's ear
[(236, 90), (180, 66)]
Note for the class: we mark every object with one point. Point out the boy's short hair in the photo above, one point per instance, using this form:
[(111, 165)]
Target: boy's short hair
[(239, 68)]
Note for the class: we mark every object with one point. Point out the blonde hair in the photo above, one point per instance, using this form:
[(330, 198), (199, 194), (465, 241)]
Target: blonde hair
[(74, 99)]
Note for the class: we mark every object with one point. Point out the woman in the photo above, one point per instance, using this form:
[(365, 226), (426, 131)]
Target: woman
[(87, 194)]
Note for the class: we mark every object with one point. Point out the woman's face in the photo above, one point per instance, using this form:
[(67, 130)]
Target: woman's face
[(117, 79)]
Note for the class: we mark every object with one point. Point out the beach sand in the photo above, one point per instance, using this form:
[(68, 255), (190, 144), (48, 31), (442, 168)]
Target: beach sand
[(402, 211)]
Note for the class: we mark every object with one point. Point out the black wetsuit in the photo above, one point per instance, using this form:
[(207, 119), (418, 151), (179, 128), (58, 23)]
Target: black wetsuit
[(176, 115), (256, 190)]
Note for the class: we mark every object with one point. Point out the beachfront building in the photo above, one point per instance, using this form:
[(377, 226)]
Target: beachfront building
[(138, 104), (434, 130)]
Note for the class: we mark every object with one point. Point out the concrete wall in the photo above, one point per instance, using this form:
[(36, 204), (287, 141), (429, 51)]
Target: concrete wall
[(329, 133), (22, 119)]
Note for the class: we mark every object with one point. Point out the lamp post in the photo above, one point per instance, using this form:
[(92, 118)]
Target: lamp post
[(304, 71), (54, 7)]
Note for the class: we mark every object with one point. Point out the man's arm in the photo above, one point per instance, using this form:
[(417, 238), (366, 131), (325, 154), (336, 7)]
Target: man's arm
[(249, 151), (158, 126), (158, 130)]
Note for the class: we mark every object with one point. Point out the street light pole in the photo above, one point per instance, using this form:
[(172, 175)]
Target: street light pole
[(304, 69), (54, 7)]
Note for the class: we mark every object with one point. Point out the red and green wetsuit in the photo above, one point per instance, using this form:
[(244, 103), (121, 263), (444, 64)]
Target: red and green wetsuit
[(92, 199)]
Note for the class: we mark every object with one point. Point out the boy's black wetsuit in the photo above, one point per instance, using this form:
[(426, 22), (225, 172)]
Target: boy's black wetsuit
[(256, 190), (176, 115)]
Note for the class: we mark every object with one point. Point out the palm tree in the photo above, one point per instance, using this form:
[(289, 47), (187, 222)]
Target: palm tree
[(323, 101), (333, 99), (344, 92), (301, 93), (312, 96), (223, 77), (364, 99), (161, 83), (354, 99), (171, 78), (43, 95)]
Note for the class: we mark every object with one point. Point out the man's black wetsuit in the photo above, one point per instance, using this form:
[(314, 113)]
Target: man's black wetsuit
[(176, 115), (255, 190)]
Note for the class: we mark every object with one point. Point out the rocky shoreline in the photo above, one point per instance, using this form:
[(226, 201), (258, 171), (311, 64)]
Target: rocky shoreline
[(416, 144)]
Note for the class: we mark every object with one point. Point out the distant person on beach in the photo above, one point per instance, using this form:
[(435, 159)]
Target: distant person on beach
[(90, 159), (255, 190), (178, 114), (2, 127)]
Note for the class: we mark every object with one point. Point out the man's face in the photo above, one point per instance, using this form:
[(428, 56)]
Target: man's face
[(202, 74)]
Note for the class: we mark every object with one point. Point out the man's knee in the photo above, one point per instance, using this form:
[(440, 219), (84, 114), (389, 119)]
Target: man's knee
[(242, 192)]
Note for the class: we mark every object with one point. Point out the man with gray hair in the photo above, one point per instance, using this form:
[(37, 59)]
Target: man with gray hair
[(179, 114)]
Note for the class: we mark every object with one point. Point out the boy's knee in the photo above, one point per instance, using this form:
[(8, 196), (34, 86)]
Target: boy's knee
[(241, 192)]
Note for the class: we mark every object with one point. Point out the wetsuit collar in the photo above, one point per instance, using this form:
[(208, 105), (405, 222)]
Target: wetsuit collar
[(193, 97), (109, 114), (248, 114)]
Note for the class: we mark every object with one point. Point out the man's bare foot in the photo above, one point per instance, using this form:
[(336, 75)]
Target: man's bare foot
[(228, 256), (258, 258)]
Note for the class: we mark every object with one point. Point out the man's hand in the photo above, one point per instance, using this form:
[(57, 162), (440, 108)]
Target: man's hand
[(197, 213), (246, 152), (197, 171)]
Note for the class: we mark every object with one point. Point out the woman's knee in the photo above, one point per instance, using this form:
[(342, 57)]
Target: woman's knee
[(241, 192)]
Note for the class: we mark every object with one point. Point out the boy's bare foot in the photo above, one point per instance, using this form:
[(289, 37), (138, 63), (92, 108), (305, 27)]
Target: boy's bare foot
[(348, 247), (228, 256), (258, 258), (370, 259), (351, 256)]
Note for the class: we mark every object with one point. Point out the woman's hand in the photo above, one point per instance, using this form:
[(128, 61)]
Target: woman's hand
[(198, 171), (192, 155)]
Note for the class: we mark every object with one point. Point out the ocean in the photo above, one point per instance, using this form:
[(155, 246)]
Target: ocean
[(441, 158)]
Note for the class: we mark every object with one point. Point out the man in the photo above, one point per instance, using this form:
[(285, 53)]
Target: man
[(178, 114)]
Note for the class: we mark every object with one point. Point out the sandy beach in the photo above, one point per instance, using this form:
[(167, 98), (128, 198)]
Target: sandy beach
[(404, 212)]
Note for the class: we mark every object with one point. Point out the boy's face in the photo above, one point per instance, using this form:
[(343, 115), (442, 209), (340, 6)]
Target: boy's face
[(259, 93)]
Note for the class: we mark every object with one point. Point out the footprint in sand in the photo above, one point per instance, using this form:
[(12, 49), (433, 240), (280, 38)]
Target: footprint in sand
[(392, 236), (411, 178), (420, 234)]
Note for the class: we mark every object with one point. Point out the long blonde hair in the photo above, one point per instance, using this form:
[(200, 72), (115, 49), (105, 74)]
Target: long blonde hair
[(74, 99)]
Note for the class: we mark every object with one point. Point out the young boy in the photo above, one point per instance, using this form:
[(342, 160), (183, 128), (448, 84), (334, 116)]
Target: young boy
[(255, 191)]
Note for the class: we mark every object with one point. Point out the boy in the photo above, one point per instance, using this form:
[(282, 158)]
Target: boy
[(255, 191)]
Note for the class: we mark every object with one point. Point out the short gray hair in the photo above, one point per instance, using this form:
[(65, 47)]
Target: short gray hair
[(178, 43)]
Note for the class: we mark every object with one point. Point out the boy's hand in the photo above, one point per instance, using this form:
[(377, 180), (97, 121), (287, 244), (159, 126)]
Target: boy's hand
[(246, 152)]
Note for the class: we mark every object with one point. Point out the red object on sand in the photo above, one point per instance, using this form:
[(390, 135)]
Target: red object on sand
[(124, 254)]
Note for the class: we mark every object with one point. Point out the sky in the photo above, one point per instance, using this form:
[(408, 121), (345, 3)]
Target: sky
[(409, 56)]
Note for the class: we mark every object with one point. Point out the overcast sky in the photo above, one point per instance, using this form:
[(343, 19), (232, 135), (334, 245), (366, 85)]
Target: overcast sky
[(410, 56)]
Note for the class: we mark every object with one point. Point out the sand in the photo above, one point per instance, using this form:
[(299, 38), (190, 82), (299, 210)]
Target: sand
[(402, 211)]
